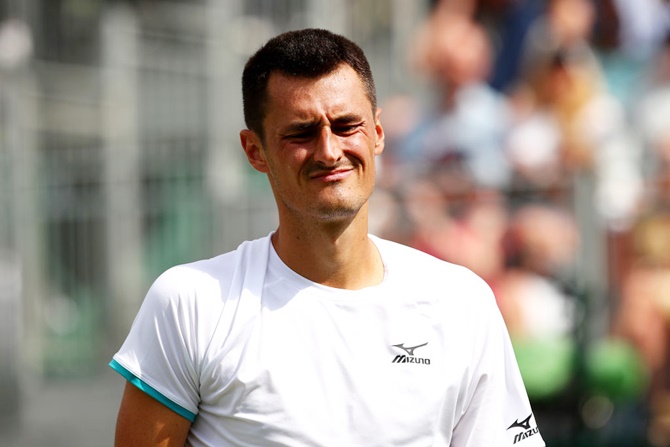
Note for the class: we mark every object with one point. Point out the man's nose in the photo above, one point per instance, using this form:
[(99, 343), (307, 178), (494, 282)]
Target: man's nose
[(327, 150)]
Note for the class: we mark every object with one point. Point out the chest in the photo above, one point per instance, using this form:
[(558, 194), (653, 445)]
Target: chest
[(376, 373)]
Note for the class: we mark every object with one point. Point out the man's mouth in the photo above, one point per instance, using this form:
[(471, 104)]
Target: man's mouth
[(331, 175)]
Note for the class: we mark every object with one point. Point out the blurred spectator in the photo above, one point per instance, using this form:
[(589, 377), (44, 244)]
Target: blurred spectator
[(541, 245), (432, 224), (643, 315), (561, 79), (564, 28), (466, 230), (627, 37), (557, 124), (653, 122), (643, 26), (401, 113), (469, 121), (536, 297), (567, 122), (485, 219), (507, 23)]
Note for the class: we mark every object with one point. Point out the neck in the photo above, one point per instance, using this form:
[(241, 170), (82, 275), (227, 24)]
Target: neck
[(332, 254)]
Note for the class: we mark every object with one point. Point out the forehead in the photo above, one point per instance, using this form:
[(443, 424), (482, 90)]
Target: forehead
[(338, 91)]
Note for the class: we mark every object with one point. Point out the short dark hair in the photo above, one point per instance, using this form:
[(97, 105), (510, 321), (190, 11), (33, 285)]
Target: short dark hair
[(308, 53)]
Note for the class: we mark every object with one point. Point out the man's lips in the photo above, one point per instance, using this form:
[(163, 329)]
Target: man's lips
[(331, 175)]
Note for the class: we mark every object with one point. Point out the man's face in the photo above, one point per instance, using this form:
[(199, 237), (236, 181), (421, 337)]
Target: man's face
[(321, 139)]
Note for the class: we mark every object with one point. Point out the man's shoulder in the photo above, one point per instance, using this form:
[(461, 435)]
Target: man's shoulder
[(397, 253), (215, 273), (398, 250), (422, 267)]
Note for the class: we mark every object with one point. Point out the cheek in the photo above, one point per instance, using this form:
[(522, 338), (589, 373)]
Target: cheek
[(288, 164), (361, 146)]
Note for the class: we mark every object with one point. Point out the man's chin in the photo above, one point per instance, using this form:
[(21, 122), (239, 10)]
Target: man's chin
[(338, 213)]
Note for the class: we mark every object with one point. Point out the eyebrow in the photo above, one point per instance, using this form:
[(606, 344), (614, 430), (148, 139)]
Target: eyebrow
[(302, 126), (348, 118), (298, 126)]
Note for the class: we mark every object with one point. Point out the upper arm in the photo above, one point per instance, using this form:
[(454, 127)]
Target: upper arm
[(145, 422)]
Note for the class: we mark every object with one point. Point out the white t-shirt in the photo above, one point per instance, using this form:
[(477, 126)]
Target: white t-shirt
[(423, 359)]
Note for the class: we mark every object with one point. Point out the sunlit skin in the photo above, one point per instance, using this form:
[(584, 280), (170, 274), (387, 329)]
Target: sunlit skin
[(321, 137), (145, 422)]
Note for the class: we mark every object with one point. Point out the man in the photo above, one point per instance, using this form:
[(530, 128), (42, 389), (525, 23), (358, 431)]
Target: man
[(319, 334)]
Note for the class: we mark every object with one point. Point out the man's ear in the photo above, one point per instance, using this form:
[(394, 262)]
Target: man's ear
[(251, 143), (379, 130)]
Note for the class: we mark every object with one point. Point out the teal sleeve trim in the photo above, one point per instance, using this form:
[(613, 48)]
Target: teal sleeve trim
[(130, 377)]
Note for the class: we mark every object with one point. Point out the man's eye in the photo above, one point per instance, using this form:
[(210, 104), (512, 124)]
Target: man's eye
[(300, 135), (345, 129)]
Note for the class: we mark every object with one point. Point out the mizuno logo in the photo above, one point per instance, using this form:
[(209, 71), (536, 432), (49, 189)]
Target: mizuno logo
[(409, 351), (525, 426), (410, 358)]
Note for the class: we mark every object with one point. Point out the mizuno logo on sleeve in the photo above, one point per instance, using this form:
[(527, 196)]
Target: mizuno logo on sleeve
[(525, 426)]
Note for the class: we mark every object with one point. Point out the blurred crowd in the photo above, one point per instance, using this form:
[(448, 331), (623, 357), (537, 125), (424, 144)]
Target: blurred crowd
[(538, 107)]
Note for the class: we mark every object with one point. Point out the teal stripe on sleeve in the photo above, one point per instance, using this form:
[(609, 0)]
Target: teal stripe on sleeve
[(130, 377)]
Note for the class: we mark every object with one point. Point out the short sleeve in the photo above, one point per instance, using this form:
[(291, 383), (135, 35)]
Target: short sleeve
[(498, 413), (160, 353)]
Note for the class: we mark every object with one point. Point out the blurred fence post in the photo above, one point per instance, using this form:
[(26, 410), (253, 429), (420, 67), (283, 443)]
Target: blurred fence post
[(10, 337), (22, 288), (122, 160), (10, 258), (225, 170), (406, 18), (592, 257)]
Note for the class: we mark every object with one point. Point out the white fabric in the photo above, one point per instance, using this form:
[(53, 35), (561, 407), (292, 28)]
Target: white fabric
[(268, 358)]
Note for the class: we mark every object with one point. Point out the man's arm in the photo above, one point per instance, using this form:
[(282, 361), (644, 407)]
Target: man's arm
[(145, 422)]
